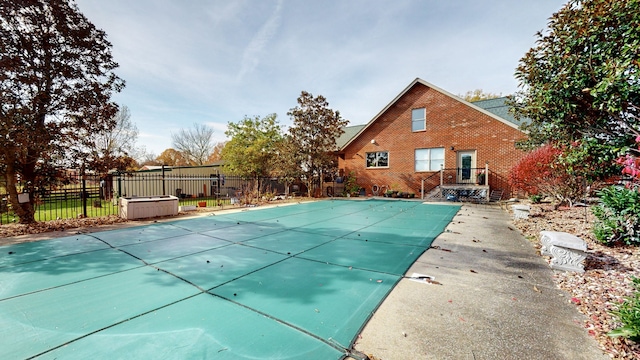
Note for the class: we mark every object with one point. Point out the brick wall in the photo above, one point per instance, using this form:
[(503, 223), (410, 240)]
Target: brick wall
[(450, 124)]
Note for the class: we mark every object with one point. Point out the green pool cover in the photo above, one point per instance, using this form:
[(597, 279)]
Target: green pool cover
[(288, 282)]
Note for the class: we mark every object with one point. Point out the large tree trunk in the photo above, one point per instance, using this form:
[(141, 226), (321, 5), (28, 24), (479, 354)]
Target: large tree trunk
[(25, 211)]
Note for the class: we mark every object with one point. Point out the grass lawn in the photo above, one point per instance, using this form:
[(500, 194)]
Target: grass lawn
[(71, 208)]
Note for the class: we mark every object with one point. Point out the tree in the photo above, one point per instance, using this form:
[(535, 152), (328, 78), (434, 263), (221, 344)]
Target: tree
[(582, 78), (172, 157), (251, 151), (216, 155), (114, 148), (55, 85), (477, 95), (148, 159), (286, 163), (195, 144), (313, 134)]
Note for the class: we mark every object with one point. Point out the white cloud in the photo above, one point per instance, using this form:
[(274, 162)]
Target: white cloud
[(215, 61), (253, 51)]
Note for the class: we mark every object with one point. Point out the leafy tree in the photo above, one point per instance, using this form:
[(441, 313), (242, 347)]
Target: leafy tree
[(195, 144), (113, 148), (56, 82), (286, 163), (172, 157), (313, 134), (216, 155), (251, 151), (477, 95), (582, 79)]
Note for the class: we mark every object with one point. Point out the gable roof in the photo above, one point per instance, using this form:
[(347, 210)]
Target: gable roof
[(498, 106), (349, 133), (431, 86)]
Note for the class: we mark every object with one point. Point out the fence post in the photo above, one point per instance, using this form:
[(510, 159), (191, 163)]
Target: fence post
[(163, 188), (441, 175), (84, 192), (486, 172), (119, 187)]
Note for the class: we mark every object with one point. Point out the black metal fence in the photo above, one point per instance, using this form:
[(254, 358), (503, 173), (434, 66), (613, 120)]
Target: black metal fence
[(94, 195)]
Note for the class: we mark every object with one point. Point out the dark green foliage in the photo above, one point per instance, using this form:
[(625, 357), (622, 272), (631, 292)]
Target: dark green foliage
[(581, 81), (57, 77), (618, 216), (313, 136)]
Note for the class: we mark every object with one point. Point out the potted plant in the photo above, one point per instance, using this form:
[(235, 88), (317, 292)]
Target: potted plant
[(480, 178), (351, 188)]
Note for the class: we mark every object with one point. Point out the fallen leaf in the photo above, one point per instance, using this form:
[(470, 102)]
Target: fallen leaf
[(432, 281), (575, 300)]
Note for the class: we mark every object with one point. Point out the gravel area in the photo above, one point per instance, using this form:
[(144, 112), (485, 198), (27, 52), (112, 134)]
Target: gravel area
[(606, 280)]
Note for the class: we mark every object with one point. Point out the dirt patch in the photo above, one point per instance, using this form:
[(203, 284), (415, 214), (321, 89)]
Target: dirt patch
[(606, 280), (10, 230)]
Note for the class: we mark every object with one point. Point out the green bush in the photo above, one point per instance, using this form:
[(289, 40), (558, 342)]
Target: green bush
[(618, 216), (351, 187), (629, 315), (536, 199)]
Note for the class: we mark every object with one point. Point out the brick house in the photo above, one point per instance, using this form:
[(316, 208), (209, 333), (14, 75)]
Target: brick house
[(429, 141)]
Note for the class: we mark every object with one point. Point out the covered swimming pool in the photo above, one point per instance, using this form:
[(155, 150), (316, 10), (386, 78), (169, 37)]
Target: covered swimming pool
[(287, 282)]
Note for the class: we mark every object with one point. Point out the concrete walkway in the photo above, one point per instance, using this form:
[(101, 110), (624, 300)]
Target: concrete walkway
[(497, 300)]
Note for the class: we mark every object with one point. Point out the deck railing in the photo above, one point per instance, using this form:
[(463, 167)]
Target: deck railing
[(455, 176)]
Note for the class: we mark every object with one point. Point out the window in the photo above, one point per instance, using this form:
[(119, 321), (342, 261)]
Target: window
[(378, 159), (418, 119), (429, 159)]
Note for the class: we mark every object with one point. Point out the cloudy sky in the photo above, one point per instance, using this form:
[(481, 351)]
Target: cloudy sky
[(215, 61)]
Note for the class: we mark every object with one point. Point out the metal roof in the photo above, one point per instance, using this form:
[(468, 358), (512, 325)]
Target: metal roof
[(498, 106)]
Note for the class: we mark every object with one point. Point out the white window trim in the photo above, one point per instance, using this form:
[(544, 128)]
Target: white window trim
[(424, 119), (429, 160), (366, 164)]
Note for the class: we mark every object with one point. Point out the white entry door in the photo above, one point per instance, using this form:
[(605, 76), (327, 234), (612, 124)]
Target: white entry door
[(466, 166)]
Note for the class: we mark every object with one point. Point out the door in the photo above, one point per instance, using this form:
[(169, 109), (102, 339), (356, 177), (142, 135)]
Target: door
[(466, 164)]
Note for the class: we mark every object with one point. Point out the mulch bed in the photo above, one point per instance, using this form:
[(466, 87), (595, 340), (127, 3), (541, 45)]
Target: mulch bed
[(606, 280)]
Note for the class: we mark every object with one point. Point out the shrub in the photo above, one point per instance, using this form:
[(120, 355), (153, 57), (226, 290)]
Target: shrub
[(550, 171), (351, 186), (618, 216), (536, 199), (526, 173), (629, 315)]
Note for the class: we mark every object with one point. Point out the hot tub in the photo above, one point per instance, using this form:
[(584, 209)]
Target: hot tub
[(148, 206)]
